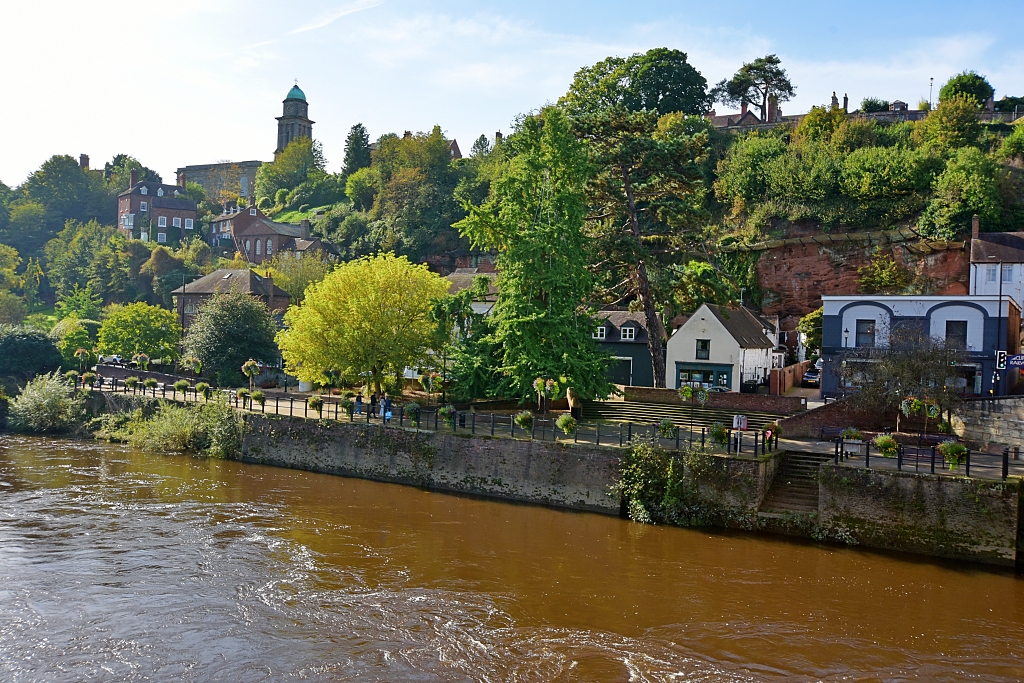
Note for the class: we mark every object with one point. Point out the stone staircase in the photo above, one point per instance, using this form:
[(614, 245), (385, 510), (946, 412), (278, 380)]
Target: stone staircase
[(652, 413), (795, 488)]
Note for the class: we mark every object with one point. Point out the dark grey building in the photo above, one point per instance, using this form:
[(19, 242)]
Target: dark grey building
[(624, 335)]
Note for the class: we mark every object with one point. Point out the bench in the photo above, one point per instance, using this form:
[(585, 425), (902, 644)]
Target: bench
[(831, 433), (918, 453), (936, 439)]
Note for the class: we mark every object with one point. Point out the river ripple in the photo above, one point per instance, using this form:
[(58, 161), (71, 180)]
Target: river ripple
[(123, 566)]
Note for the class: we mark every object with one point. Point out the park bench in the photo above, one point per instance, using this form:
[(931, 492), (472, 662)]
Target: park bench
[(936, 439), (831, 433)]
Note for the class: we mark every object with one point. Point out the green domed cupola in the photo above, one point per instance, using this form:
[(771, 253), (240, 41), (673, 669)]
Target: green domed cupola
[(296, 93)]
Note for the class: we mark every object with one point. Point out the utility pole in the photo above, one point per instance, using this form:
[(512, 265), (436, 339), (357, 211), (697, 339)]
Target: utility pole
[(931, 84)]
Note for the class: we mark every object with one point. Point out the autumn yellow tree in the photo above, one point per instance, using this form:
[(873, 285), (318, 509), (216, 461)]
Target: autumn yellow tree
[(369, 316)]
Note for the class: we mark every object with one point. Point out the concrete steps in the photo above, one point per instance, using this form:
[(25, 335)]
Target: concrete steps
[(651, 413), (795, 488)]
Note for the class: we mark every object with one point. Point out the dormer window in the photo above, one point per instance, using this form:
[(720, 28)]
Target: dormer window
[(252, 212), (628, 333), (599, 333), (160, 192), (143, 190)]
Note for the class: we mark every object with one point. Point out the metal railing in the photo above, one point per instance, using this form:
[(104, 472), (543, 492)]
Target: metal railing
[(437, 418), (924, 458)]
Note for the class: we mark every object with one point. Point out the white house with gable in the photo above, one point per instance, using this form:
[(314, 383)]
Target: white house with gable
[(723, 347)]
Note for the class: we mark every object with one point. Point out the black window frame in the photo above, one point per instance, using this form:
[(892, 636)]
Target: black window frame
[(705, 352)]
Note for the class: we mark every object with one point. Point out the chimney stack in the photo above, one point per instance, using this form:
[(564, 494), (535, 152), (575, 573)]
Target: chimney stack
[(975, 226), (181, 179), (408, 134), (498, 137), (252, 201), (268, 283), (304, 229), (83, 161), (846, 102), (134, 178)]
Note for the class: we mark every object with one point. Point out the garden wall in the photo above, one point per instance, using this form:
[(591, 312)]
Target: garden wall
[(841, 414), (781, 405), (954, 517), (995, 422)]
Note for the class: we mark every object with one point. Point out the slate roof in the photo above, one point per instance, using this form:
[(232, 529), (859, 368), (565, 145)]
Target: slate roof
[(151, 189), (1006, 247), (231, 279), (179, 203), (745, 326), (615, 320)]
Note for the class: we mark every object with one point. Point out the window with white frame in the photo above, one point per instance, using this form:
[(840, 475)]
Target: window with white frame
[(259, 247), (131, 220), (270, 247), (143, 190), (188, 223), (161, 237), (628, 333), (990, 273), (703, 351), (176, 222), (248, 246), (1007, 272), (161, 222), (144, 236), (143, 207), (252, 212), (599, 332), (159, 192)]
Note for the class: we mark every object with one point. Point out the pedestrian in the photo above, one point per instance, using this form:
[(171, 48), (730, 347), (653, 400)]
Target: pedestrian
[(373, 405), (387, 408), (359, 404), (383, 398)]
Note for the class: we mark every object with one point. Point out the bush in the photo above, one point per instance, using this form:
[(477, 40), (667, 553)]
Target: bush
[(447, 413), (89, 379), (211, 429), (72, 377), (567, 423), (851, 434), (525, 420), (48, 403), (25, 353), (954, 453), (181, 385), (149, 383), (667, 429), (348, 406), (316, 403), (718, 433), (203, 389), (259, 397), (412, 411), (886, 445), (945, 428), (132, 382)]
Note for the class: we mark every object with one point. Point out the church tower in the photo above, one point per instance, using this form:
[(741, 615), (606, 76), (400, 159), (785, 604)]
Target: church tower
[(295, 122)]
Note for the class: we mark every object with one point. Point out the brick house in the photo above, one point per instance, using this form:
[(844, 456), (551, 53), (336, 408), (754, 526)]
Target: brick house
[(257, 238), (154, 211), (227, 280)]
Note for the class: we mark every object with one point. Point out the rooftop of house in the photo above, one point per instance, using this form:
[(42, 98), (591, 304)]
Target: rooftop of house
[(153, 189), (615, 320), (996, 247), (745, 326), (232, 279), (463, 278)]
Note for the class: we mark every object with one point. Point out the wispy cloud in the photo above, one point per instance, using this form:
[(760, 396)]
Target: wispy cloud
[(328, 18)]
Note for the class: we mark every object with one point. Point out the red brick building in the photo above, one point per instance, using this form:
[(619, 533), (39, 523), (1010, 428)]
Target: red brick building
[(155, 212), (226, 280), (249, 232)]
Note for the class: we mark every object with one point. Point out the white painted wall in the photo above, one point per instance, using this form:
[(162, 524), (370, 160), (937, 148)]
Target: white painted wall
[(867, 312), (986, 278), (975, 324), (725, 350)]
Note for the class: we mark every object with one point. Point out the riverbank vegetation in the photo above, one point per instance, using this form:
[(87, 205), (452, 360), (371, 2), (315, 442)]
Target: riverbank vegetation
[(212, 429)]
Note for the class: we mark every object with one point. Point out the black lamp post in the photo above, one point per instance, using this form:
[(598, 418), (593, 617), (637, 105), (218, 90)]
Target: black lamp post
[(846, 337)]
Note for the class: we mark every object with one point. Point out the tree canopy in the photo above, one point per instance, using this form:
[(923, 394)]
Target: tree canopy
[(357, 150), (26, 352), (140, 328), (369, 318), (967, 84), (230, 329), (757, 83)]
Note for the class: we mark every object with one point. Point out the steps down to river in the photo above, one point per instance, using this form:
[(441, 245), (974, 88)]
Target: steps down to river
[(795, 488), (650, 413)]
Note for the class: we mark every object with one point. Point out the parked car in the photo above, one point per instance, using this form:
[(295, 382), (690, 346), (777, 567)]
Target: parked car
[(812, 378), (717, 390)]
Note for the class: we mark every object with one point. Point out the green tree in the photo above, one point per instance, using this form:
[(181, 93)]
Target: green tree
[(481, 147), (699, 282), (296, 275), (291, 168), (25, 353), (71, 254), (810, 326), (74, 337), (362, 187), (534, 219), (967, 84), (369, 317), (883, 275), (874, 104), (646, 191), (758, 84), (140, 328), (80, 303), (953, 124), (357, 150), (966, 187), (69, 192), (820, 123), (118, 171), (26, 228), (12, 308), (230, 329), (9, 262), (1013, 145), (659, 80)]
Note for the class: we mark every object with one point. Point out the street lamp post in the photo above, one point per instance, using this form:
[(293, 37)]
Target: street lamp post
[(846, 337)]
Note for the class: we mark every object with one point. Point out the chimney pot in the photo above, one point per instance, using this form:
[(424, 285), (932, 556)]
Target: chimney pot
[(975, 226), (181, 179), (743, 109), (134, 177), (846, 102), (304, 229), (498, 137), (83, 162), (408, 134)]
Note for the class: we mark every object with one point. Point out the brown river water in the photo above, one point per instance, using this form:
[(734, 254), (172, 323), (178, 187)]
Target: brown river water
[(121, 566)]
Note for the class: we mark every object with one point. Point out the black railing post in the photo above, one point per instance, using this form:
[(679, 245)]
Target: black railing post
[(1006, 463), (435, 418), (933, 459), (702, 437), (968, 462), (597, 434), (512, 426), (291, 406), (575, 432), (533, 428), (630, 424), (620, 435), (472, 428), (836, 459), (492, 424), (401, 416), (305, 407), (899, 458), (455, 422), (677, 438), (867, 458)]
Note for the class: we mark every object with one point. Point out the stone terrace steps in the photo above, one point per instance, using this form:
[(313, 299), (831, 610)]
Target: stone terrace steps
[(650, 413), (795, 488)]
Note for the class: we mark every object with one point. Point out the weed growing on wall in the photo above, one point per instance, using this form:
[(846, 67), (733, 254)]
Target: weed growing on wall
[(212, 429)]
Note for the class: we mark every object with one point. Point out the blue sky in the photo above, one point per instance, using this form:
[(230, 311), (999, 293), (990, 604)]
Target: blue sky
[(198, 81)]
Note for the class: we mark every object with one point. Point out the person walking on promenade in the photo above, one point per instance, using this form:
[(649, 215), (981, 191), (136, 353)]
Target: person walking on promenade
[(359, 404), (373, 404), (387, 408), (383, 398)]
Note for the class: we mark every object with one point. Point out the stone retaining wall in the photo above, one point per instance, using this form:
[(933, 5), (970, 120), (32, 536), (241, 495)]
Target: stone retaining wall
[(731, 400), (996, 422), (954, 517)]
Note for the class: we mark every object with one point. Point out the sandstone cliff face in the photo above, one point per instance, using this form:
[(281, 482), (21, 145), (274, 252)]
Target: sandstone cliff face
[(795, 277)]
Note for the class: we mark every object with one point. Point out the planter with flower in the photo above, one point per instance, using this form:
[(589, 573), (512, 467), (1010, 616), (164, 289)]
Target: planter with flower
[(886, 445), (953, 452)]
